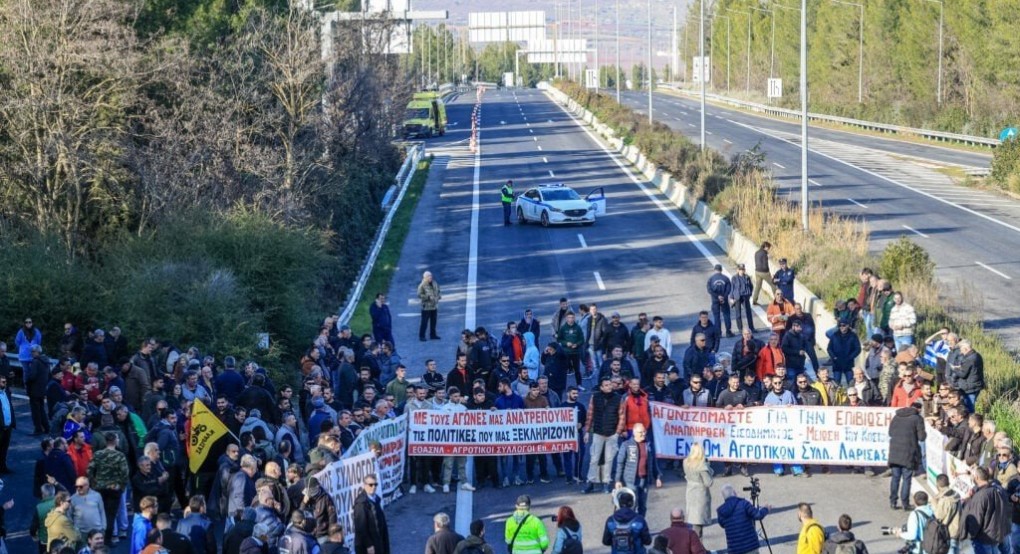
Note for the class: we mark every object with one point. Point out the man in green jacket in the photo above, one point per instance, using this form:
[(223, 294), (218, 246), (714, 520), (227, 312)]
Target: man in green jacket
[(571, 337), (37, 529), (525, 533), (428, 293)]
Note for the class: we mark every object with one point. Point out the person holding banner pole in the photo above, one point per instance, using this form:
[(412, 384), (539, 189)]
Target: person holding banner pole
[(600, 430), (511, 468), (573, 460)]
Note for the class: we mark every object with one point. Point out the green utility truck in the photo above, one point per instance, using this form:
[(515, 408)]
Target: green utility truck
[(425, 116)]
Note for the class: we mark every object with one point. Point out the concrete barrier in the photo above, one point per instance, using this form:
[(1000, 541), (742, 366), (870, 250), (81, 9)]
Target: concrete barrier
[(738, 247)]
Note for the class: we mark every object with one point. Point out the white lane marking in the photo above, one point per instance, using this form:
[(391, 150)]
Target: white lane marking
[(778, 165), (727, 141), (995, 271), (409, 314), (667, 211), (536, 139), (815, 183), (528, 124), (598, 281), (580, 238), (540, 147), (690, 125), (501, 122), (915, 231), (858, 203), (532, 131), (544, 159), (550, 121), (551, 173), (708, 132), (884, 178)]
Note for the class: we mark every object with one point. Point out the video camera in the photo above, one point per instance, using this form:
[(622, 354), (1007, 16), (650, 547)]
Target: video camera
[(896, 532), (754, 489)]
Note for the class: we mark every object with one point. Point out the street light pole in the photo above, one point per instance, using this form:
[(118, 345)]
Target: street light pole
[(701, 52), (803, 117), (617, 51), (649, 70), (598, 68)]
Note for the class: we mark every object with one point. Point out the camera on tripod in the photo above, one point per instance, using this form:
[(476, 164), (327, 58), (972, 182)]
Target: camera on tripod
[(755, 488)]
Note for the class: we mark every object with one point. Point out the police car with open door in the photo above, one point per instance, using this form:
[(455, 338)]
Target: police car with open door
[(557, 204)]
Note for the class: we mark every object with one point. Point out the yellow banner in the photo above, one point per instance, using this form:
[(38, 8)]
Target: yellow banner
[(206, 431)]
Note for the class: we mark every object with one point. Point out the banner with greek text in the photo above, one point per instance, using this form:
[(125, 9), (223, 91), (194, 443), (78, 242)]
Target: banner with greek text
[(341, 480), (391, 434), (825, 435), (492, 433)]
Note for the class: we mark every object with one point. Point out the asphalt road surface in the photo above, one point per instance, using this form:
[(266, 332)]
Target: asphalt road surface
[(644, 261), (970, 234)]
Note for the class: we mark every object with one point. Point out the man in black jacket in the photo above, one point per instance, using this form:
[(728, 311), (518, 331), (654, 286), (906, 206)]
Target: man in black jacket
[(601, 423), (762, 271), (795, 348), (740, 294), (906, 431), (36, 377), (719, 290), (745, 352), (987, 515), (370, 530)]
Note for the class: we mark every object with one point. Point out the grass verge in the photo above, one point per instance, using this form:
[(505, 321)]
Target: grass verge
[(829, 257), (389, 255)]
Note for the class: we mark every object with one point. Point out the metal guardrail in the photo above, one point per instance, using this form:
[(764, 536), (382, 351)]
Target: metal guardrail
[(775, 111), (403, 179)]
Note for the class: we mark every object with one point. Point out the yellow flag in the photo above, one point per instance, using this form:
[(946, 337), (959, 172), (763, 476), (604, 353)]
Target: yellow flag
[(206, 431)]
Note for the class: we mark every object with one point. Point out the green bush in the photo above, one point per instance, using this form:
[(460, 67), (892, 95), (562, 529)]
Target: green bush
[(1006, 165), (211, 282), (905, 260)]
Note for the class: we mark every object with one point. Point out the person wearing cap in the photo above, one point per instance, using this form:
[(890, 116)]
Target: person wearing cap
[(570, 335), (795, 347), (843, 349), (719, 290), (257, 543), (617, 335), (784, 277), (371, 533), (525, 533), (506, 200), (95, 350)]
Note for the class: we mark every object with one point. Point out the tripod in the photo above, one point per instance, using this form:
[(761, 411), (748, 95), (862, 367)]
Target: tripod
[(761, 523)]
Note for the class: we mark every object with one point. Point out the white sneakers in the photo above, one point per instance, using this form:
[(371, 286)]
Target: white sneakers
[(413, 489), (429, 489), (467, 487), (446, 488)]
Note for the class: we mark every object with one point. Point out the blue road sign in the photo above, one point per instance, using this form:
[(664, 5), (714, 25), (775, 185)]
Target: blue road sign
[(1008, 133)]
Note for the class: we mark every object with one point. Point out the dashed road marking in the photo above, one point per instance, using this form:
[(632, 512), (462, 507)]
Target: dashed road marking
[(598, 281), (858, 203), (580, 238), (995, 271), (780, 166), (915, 231)]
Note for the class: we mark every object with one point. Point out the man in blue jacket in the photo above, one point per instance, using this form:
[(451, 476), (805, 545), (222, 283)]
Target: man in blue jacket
[(719, 289), (737, 516), (843, 349), (382, 320)]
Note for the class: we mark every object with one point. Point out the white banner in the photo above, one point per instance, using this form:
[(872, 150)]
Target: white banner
[(341, 480), (825, 435), (492, 432), (391, 435)]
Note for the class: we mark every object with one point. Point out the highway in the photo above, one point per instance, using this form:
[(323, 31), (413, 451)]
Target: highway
[(970, 234), (637, 258)]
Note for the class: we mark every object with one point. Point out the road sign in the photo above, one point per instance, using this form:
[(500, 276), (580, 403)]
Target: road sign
[(1008, 133), (702, 69), (775, 88), (591, 78)]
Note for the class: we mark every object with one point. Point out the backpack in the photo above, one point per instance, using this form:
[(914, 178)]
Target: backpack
[(845, 548), (473, 549), (934, 537), (623, 537), (571, 545)]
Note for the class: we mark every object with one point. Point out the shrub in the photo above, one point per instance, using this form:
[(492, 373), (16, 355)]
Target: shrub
[(904, 260), (1006, 165)]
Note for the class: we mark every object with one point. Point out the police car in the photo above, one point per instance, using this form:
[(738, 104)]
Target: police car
[(557, 203)]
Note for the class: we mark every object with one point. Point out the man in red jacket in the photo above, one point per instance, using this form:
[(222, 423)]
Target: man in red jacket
[(682, 539), (634, 409)]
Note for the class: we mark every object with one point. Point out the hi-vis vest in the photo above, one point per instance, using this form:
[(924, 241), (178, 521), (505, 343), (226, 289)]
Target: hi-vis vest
[(507, 193)]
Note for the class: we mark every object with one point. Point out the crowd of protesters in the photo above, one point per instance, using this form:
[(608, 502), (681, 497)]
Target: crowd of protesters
[(115, 424)]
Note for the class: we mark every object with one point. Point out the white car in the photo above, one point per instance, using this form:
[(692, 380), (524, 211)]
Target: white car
[(558, 203)]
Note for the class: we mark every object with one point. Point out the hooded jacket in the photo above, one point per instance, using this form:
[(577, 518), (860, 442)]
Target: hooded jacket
[(638, 526), (843, 537), (532, 358), (737, 517), (947, 508)]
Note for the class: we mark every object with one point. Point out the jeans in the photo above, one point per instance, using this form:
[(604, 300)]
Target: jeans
[(506, 213), (900, 485), (122, 515), (603, 447), (981, 548), (903, 342), (869, 323), (1006, 546), (574, 365), (723, 307), (543, 466), (428, 318), (1014, 537), (572, 461), (742, 308), (971, 400), (778, 469), (640, 488), (511, 468)]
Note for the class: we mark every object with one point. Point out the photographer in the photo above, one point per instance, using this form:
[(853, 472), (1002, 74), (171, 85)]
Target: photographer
[(913, 531), (737, 517)]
